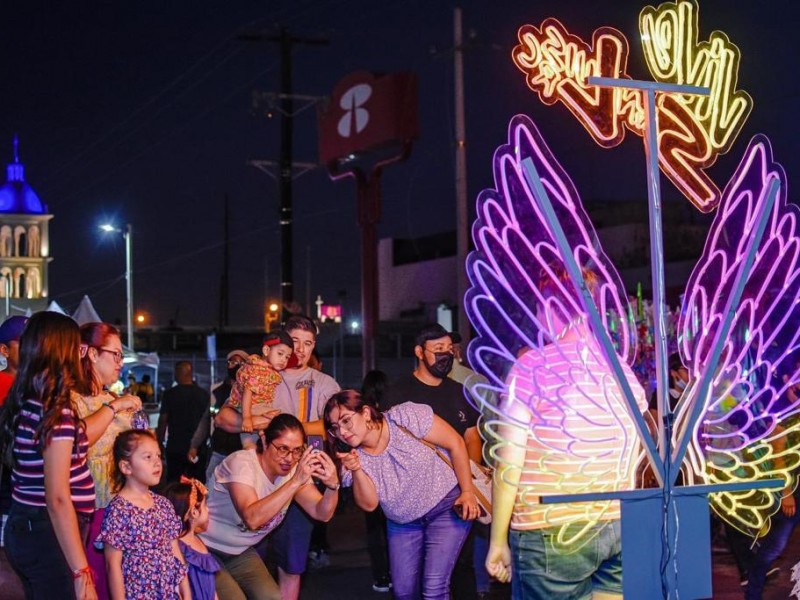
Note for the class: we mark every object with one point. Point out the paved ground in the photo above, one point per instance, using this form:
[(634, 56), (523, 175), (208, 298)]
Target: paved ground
[(348, 576)]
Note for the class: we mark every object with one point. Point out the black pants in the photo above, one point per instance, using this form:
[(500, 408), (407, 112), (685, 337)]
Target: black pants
[(35, 554)]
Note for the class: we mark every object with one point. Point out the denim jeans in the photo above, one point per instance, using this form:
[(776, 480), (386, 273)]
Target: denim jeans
[(769, 549), (423, 552), (539, 571), (35, 554)]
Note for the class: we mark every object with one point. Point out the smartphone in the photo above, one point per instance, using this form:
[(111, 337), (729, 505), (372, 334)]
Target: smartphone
[(341, 446)]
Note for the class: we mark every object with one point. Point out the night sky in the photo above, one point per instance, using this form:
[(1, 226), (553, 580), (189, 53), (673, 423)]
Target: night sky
[(141, 113)]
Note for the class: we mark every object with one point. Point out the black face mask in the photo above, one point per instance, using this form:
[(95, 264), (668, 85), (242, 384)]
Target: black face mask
[(442, 364), (232, 373)]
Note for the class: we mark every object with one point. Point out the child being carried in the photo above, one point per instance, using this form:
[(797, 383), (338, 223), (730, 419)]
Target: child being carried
[(254, 390)]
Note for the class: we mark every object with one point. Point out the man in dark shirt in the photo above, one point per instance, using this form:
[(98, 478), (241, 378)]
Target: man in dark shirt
[(429, 384), (182, 408), (223, 442)]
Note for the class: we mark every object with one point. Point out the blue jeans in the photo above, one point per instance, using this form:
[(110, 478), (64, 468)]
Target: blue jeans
[(769, 549), (541, 571), (422, 553)]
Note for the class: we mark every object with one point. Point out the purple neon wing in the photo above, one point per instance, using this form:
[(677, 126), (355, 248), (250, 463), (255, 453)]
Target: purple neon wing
[(749, 428), (578, 427)]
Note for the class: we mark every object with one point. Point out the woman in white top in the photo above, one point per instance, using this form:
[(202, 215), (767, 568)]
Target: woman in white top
[(249, 494)]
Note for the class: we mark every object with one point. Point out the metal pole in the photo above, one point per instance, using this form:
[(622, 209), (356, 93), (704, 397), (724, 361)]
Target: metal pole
[(287, 279), (462, 220), (129, 281)]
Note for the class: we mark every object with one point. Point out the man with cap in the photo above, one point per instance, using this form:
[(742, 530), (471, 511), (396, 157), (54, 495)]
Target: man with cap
[(10, 332), (429, 384)]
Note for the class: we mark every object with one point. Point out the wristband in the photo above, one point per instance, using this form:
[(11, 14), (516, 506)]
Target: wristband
[(108, 405), (78, 573), (334, 488)]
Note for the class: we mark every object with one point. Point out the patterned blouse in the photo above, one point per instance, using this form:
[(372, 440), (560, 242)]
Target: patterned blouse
[(100, 457), (258, 376)]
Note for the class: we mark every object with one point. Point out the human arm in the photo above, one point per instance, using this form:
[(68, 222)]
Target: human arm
[(200, 436), (228, 419), (163, 422), (444, 436), (505, 485), (320, 506), (255, 511), (116, 585), (474, 444), (97, 422), (364, 491), (778, 444), (57, 460)]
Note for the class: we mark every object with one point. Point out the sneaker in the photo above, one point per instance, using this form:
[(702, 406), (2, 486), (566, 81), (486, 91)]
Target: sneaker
[(382, 585)]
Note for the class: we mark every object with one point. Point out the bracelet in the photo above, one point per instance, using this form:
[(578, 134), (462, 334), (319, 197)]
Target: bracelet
[(108, 405), (78, 573), (335, 488)]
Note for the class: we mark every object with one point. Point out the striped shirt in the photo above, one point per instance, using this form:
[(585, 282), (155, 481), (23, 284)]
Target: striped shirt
[(27, 478), (581, 438)]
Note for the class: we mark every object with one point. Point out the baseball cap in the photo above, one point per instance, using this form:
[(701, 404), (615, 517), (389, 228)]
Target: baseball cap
[(434, 331), (11, 329)]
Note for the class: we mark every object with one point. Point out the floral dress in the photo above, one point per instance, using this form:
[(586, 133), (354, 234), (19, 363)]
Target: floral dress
[(149, 568), (258, 376)]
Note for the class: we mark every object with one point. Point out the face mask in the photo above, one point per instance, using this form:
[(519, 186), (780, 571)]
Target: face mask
[(232, 373), (3, 362), (442, 364), (680, 383)]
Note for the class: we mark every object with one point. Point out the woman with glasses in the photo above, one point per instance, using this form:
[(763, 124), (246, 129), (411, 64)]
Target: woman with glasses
[(106, 415), (249, 494), (428, 504)]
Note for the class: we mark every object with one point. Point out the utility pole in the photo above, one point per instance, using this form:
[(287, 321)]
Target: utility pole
[(286, 42), (462, 217)]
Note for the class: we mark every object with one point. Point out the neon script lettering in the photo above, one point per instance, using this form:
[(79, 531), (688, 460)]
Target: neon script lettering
[(693, 130)]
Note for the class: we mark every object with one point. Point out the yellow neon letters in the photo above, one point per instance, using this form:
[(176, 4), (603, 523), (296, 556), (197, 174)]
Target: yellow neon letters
[(693, 130)]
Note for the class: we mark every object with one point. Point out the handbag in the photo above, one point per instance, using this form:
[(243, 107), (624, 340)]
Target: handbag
[(481, 480)]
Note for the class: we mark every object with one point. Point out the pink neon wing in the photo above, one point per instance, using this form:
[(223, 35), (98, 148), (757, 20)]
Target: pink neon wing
[(574, 431), (748, 430)]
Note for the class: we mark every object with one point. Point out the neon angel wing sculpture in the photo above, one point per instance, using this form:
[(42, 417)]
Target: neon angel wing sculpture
[(553, 412), (749, 425)]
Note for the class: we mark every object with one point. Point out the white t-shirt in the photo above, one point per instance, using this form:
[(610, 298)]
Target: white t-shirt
[(226, 531)]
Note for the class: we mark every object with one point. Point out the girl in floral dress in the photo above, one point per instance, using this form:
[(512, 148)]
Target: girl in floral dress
[(189, 499), (140, 529)]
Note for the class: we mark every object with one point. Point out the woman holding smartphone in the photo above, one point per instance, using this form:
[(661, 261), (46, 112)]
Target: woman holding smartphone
[(428, 504)]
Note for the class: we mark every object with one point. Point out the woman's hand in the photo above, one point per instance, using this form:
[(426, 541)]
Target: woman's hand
[(126, 403), (468, 501), (350, 460), (498, 562), (305, 467), (325, 470), (84, 588)]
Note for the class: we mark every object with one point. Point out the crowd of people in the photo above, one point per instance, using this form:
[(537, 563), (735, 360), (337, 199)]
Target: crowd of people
[(214, 506)]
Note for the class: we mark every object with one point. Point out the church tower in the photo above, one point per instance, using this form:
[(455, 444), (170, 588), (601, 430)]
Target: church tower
[(24, 243)]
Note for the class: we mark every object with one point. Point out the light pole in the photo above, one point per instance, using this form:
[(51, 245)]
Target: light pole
[(128, 235)]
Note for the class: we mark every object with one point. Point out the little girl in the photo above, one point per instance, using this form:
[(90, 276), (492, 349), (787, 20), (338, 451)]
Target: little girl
[(140, 529), (254, 390), (189, 499)]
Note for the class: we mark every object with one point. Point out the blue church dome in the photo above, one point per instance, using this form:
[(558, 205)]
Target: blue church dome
[(16, 196)]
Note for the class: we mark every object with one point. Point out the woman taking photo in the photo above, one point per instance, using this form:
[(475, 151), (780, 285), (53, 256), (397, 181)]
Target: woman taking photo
[(428, 504), (105, 415), (52, 489), (249, 494)]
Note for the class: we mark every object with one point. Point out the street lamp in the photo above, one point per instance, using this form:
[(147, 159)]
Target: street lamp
[(271, 314), (128, 235)]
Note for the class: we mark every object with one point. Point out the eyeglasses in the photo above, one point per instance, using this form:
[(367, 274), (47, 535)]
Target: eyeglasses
[(118, 356), (284, 451), (345, 422)]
